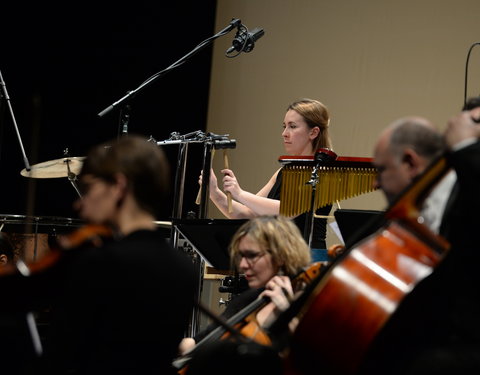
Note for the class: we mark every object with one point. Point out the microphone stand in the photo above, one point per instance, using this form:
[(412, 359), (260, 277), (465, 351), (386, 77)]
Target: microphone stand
[(308, 229), (210, 142), (321, 157), (7, 98), (234, 23), (184, 141), (124, 120)]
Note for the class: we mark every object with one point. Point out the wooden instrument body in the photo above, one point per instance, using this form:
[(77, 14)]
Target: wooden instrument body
[(358, 294)]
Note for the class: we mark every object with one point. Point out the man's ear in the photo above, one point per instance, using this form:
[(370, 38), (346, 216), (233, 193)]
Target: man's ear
[(415, 163), (475, 113)]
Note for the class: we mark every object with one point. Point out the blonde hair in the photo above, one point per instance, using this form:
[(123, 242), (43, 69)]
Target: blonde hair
[(315, 114), (280, 237)]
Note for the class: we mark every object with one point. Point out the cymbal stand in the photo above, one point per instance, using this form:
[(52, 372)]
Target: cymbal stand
[(72, 177), (4, 93)]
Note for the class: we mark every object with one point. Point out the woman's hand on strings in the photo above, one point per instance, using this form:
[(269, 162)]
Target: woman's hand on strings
[(279, 290)]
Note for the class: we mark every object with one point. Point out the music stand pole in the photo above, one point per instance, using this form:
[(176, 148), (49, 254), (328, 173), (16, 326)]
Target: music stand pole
[(179, 189), (308, 229)]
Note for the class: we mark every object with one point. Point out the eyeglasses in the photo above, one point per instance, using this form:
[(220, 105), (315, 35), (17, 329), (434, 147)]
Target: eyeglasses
[(250, 256)]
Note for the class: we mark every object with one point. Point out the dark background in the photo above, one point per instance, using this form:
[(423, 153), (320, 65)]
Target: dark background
[(62, 65)]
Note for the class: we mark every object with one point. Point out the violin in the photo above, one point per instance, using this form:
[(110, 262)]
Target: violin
[(245, 322), (91, 235), (33, 282)]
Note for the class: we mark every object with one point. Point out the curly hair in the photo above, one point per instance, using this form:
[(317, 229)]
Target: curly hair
[(280, 237)]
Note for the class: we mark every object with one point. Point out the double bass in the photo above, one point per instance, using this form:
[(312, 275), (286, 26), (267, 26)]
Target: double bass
[(345, 308)]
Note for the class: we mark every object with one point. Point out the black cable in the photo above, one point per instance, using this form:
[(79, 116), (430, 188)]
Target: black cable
[(242, 30), (466, 73)]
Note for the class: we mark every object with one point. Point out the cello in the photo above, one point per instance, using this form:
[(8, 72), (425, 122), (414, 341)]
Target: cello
[(349, 304)]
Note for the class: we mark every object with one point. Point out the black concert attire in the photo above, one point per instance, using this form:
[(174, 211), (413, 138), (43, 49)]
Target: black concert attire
[(121, 308), (236, 304), (235, 356), (319, 225), (436, 329)]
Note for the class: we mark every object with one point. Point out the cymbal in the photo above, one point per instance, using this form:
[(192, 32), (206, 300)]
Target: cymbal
[(55, 168), (164, 224)]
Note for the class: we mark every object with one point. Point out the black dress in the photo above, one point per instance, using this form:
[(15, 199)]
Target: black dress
[(319, 225)]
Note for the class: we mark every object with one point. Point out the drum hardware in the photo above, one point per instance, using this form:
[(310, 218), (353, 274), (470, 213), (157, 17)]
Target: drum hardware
[(55, 168), (233, 285), (68, 166), (32, 235), (4, 94), (72, 177)]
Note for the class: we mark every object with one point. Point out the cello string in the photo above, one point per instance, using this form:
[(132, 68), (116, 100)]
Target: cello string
[(222, 322)]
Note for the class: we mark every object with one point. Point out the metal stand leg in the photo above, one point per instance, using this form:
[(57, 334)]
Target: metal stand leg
[(194, 325), (199, 267)]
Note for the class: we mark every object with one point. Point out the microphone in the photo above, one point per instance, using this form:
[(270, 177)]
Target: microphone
[(244, 40)]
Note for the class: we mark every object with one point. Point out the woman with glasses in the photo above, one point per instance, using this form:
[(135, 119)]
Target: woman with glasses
[(270, 251)]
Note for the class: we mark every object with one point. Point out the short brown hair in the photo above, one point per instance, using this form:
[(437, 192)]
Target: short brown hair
[(143, 163)]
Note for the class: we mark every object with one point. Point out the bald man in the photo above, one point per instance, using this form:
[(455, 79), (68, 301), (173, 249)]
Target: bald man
[(436, 328), (403, 151)]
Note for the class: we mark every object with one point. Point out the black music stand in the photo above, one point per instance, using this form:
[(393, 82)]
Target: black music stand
[(210, 238), (355, 225)]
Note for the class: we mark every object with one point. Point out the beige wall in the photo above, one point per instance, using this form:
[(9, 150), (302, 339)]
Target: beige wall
[(369, 61)]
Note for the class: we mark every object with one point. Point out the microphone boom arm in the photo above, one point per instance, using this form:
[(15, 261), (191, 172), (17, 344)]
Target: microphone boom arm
[(234, 23)]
